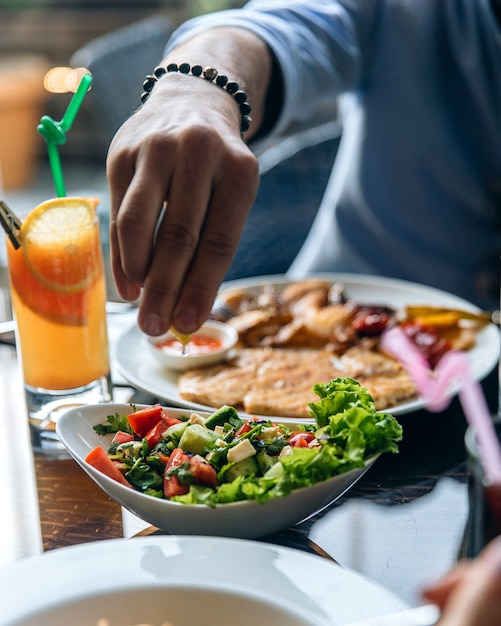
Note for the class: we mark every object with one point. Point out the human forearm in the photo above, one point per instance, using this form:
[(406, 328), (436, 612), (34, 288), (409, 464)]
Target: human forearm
[(183, 151), (222, 49)]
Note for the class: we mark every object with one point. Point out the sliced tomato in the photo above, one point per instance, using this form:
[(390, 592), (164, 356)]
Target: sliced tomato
[(154, 435), (314, 443), (143, 420), (243, 429), (301, 439), (171, 420), (203, 472), (121, 437), (100, 460), (177, 457), (172, 486), (248, 425)]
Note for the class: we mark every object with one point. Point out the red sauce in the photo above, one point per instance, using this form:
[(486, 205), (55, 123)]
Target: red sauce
[(427, 340), (371, 321), (198, 344)]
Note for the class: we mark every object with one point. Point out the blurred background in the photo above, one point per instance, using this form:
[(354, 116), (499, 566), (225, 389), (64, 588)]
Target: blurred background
[(37, 35), (41, 44), (45, 46)]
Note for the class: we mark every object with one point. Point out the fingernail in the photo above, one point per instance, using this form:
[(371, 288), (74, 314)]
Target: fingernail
[(127, 291), (152, 325)]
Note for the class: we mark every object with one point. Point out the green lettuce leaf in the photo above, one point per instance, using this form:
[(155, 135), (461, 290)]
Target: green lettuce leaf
[(352, 431)]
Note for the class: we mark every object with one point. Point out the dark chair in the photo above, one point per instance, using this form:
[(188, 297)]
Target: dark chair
[(119, 62), (294, 174)]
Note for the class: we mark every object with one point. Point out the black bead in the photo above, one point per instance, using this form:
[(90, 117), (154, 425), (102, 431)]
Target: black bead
[(149, 83), (245, 123), (231, 86), (159, 71), (210, 74), (240, 96), (245, 108)]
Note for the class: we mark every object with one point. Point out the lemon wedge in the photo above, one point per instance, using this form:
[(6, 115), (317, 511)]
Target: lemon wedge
[(182, 337)]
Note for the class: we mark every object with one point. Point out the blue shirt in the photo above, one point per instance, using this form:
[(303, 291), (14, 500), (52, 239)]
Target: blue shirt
[(415, 191)]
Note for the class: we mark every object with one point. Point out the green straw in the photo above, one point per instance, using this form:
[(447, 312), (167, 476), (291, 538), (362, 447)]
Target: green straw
[(55, 132)]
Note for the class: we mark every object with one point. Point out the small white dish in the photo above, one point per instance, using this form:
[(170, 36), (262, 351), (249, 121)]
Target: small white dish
[(173, 357), (186, 581), (247, 519)]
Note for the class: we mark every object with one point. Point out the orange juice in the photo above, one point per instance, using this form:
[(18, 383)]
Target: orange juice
[(59, 297)]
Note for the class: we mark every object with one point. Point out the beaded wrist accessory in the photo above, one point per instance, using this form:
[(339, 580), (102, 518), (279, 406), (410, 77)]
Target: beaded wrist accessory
[(211, 75)]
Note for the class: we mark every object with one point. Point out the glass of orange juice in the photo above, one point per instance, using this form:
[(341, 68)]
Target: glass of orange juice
[(59, 304)]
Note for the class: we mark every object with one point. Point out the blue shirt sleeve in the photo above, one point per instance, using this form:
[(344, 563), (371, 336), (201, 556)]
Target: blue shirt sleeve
[(414, 193), (319, 45)]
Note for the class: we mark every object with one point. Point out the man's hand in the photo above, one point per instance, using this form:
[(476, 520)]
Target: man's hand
[(182, 182), (470, 594)]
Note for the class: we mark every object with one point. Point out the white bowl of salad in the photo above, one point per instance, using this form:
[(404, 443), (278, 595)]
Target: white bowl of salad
[(224, 474)]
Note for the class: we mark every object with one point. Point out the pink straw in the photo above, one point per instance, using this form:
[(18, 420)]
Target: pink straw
[(435, 388)]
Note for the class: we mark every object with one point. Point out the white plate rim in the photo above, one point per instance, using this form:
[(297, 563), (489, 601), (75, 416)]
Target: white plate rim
[(132, 361), (51, 579)]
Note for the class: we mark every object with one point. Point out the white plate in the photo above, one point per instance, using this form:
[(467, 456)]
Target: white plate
[(134, 363), (246, 519), (186, 581)]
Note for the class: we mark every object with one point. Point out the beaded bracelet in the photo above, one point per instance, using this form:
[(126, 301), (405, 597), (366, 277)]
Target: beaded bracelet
[(210, 74)]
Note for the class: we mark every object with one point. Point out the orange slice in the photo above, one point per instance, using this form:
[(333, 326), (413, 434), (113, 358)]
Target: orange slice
[(58, 249)]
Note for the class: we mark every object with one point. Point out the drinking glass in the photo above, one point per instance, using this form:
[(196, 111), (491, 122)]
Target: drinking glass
[(484, 498), (59, 304)]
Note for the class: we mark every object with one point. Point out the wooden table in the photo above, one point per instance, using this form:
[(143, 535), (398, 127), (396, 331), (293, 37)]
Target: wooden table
[(403, 524)]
